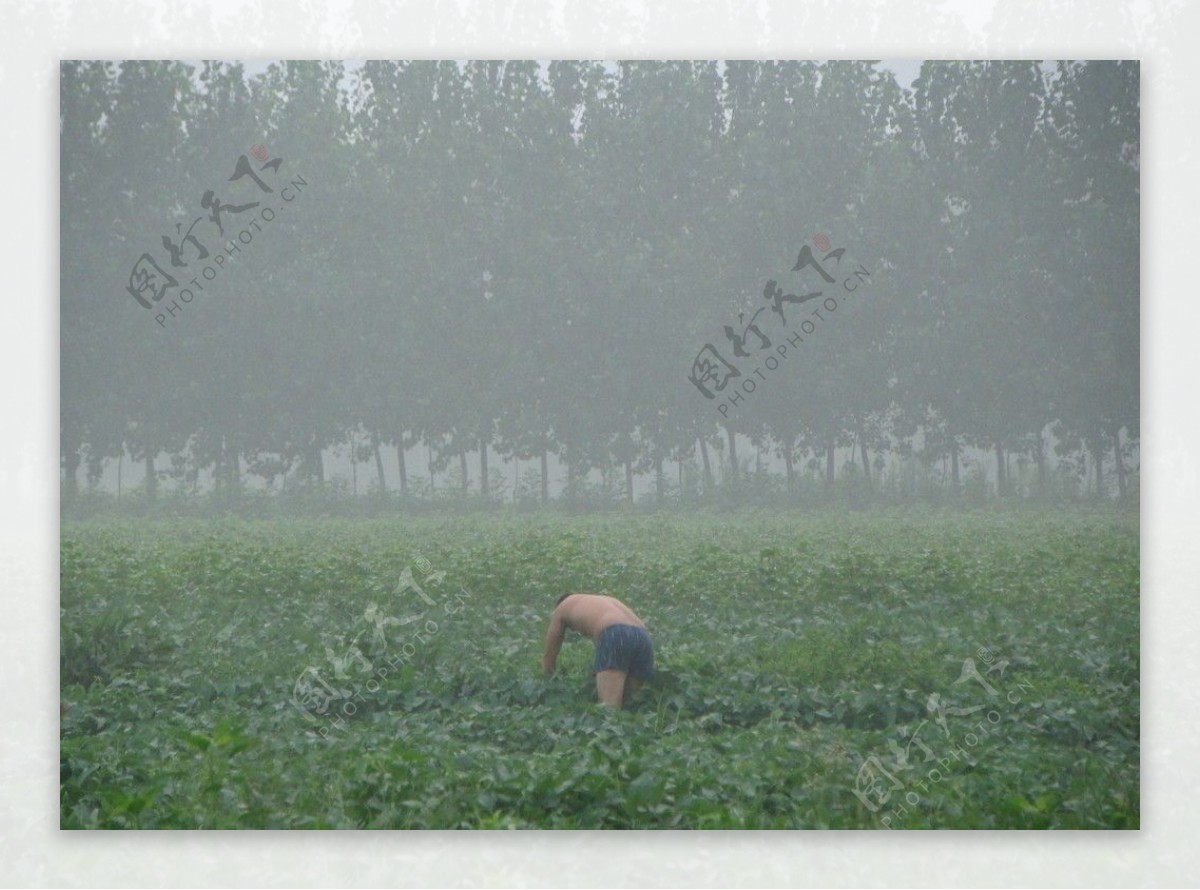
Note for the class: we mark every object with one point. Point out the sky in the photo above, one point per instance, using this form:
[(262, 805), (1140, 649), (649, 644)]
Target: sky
[(906, 70)]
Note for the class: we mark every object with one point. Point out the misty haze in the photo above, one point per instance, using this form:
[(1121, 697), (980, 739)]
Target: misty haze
[(827, 372)]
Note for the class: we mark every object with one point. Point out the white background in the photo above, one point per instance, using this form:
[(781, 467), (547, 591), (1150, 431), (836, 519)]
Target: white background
[(37, 35)]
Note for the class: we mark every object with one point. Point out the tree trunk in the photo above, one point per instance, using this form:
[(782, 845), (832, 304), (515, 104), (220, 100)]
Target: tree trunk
[(483, 465), (1120, 462), (401, 465), (862, 450), (629, 481), (708, 479), (235, 473), (224, 470), (120, 466), (545, 477), (787, 463), (829, 455), (1098, 455), (151, 478), (218, 471), (1039, 455), (379, 468), (71, 461), (733, 460), (954, 476), (462, 466), (570, 492), (316, 463), (659, 481), (429, 464), (1001, 476)]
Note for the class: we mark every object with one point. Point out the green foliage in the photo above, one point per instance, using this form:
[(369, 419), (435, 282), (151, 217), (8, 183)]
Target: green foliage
[(790, 650), (491, 254)]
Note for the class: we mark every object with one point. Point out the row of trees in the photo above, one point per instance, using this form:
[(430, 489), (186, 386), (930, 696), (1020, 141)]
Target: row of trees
[(519, 259)]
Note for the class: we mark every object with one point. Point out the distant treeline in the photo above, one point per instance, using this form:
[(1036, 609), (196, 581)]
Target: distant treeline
[(572, 259)]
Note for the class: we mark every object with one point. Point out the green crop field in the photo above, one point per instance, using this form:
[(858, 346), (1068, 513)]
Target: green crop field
[(889, 670)]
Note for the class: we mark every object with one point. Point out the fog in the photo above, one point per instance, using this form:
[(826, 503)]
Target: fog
[(392, 285)]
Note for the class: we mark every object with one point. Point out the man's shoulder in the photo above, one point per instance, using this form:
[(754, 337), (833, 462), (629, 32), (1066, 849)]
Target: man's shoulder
[(583, 596)]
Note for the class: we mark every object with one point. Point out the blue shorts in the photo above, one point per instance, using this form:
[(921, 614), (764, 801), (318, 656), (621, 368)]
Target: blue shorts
[(625, 647)]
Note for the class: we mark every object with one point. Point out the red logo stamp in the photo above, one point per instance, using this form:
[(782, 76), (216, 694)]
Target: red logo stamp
[(260, 152), (820, 242)]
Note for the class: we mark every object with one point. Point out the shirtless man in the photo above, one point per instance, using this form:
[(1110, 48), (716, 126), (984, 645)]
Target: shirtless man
[(624, 652)]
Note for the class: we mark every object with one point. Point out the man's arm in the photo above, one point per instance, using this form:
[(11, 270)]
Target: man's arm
[(554, 640)]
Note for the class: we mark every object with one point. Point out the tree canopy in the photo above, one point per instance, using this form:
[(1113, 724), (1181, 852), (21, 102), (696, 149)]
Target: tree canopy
[(523, 259)]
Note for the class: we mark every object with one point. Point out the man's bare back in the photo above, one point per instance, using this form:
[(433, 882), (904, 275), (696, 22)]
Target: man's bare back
[(630, 650), (591, 613)]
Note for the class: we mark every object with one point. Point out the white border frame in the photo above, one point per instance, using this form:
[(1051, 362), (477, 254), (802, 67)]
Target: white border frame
[(33, 852)]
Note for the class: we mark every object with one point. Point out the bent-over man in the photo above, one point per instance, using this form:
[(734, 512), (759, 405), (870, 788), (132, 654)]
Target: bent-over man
[(624, 651)]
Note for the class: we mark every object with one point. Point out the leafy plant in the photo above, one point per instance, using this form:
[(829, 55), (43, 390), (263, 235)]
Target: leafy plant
[(790, 651)]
